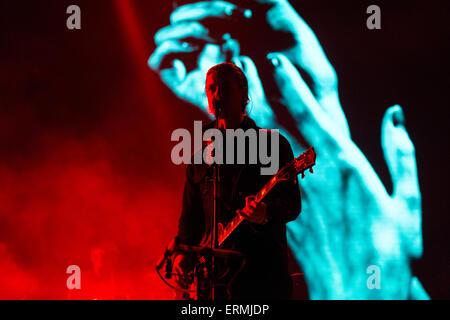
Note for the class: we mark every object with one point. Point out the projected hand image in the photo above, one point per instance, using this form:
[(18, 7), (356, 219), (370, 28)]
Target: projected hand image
[(350, 225)]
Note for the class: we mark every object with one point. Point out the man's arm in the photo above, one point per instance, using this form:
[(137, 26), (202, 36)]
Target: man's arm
[(191, 224), (284, 201)]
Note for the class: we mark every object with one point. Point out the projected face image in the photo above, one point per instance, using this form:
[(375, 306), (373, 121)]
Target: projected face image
[(351, 232)]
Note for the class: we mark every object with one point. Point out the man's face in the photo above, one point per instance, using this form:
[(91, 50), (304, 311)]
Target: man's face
[(225, 91)]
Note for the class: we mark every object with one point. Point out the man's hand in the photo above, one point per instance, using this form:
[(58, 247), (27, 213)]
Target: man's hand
[(181, 266), (253, 211)]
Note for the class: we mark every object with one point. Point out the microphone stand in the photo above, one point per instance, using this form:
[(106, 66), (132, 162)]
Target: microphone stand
[(216, 206)]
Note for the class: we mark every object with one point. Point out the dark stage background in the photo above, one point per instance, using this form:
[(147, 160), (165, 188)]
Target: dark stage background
[(85, 131)]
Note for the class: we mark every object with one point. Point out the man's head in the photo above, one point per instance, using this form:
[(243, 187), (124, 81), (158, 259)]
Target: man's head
[(227, 87)]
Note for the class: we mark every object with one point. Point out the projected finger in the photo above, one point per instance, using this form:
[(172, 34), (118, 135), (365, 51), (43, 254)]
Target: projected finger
[(183, 30), (175, 75), (167, 48), (258, 107), (309, 56), (400, 157), (208, 9), (313, 123)]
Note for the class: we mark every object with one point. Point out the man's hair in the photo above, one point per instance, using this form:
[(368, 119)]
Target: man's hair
[(230, 69)]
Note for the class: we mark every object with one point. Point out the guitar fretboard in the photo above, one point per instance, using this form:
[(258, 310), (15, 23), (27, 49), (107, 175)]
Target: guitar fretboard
[(238, 218)]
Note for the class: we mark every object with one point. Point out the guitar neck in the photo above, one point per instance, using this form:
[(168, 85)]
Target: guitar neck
[(238, 218), (298, 165)]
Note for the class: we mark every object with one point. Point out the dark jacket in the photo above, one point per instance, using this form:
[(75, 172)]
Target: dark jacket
[(265, 274)]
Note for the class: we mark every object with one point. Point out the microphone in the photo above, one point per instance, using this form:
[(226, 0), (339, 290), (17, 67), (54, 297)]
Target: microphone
[(218, 106)]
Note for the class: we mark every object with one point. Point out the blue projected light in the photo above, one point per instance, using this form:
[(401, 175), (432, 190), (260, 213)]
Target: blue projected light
[(353, 240)]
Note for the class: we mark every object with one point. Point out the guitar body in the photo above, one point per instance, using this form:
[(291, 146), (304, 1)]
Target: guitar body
[(225, 270)]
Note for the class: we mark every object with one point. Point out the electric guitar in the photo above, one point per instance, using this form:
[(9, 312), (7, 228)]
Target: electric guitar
[(295, 167)]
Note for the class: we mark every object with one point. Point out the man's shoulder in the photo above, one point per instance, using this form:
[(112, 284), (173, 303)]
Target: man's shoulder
[(284, 140)]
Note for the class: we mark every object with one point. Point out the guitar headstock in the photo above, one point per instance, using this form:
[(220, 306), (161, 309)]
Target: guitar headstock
[(299, 165)]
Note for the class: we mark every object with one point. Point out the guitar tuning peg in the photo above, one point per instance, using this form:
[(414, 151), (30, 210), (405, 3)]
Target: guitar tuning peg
[(311, 170)]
